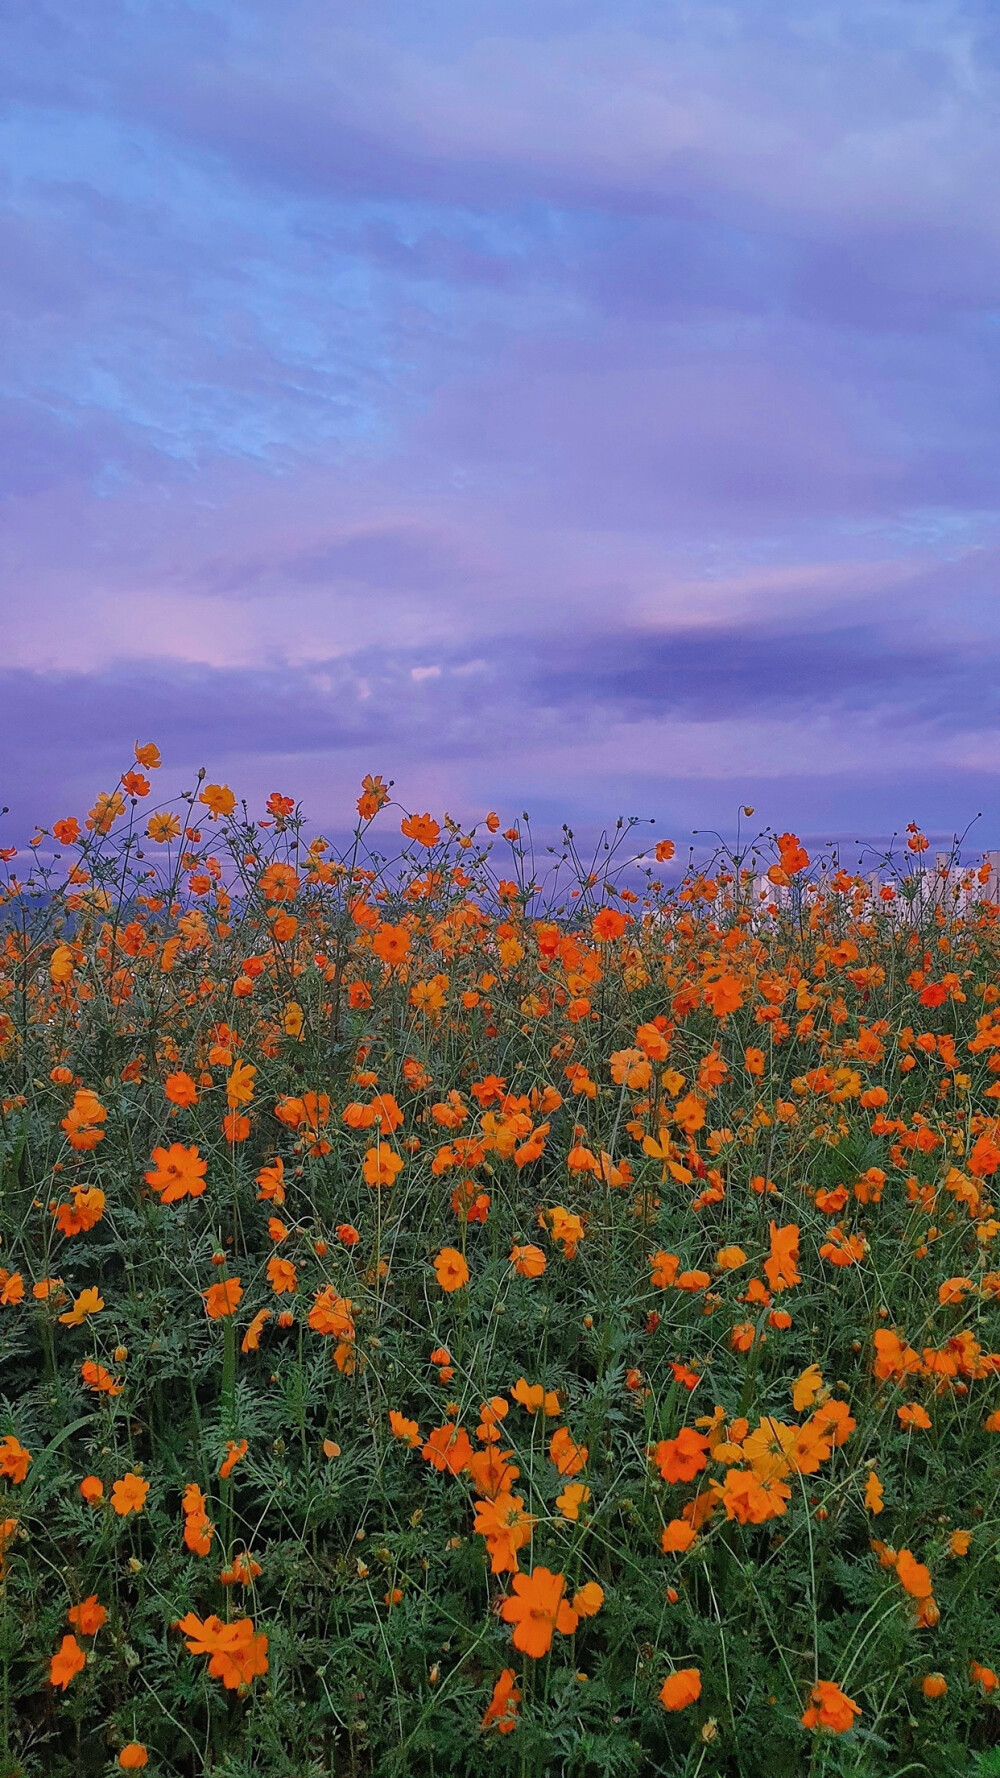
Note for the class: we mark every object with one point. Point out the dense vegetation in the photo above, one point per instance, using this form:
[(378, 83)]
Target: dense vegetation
[(457, 1318)]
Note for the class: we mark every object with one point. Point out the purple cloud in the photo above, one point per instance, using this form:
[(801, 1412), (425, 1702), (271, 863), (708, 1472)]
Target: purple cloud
[(590, 407)]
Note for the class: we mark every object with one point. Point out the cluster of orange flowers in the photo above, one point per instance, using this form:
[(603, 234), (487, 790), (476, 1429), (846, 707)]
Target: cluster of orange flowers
[(647, 1142)]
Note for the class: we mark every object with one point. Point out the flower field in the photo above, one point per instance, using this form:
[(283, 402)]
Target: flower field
[(465, 1311)]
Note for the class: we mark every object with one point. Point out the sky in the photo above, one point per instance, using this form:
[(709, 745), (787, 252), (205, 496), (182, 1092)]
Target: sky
[(580, 406)]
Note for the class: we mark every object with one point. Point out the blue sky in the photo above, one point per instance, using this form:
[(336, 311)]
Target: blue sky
[(581, 407)]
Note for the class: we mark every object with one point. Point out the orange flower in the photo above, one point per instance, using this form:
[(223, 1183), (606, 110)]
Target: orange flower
[(11, 1289), (391, 944), (954, 1289), (959, 1543), (105, 811), (681, 1688), (8, 1529), (471, 1205), (934, 1685), (381, 1165), (133, 1757), (100, 1380), (84, 1213), (680, 1459), (689, 1113), (242, 1572), (781, 1266), (533, 1397), (198, 1529), (696, 1280), (843, 1249), (630, 1068), (163, 828), (588, 1601), (983, 1676), (448, 1448), (687, 1378), (491, 1473), (89, 1302), (564, 1228), (792, 854), (251, 1339), (913, 1575), (374, 796), (752, 1499), (332, 1314), (237, 1653), (14, 1459), (452, 1271), (834, 1421), (177, 1173), (239, 1086), (873, 1493), (82, 1119), (421, 828), (88, 1616), (92, 1489), (729, 1259), (811, 1447), (406, 1430), (68, 1660), (806, 1387), (770, 1448), (893, 1358), (528, 1261), (180, 1089), (501, 1711), (830, 1708), (490, 1414), (223, 1298), (677, 1537), (271, 1182), (608, 925), (723, 996), (279, 882), (235, 1453), (984, 1157), (506, 1527), (573, 1496), (568, 1457), (218, 800), (44, 1288), (911, 1414), (129, 1494), (282, 1275), (537, 1609)]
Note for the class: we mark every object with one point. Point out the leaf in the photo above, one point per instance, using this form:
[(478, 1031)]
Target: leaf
[(40, 1463)]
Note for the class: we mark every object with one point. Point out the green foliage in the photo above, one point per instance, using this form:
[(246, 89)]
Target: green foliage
[(116, 984)]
